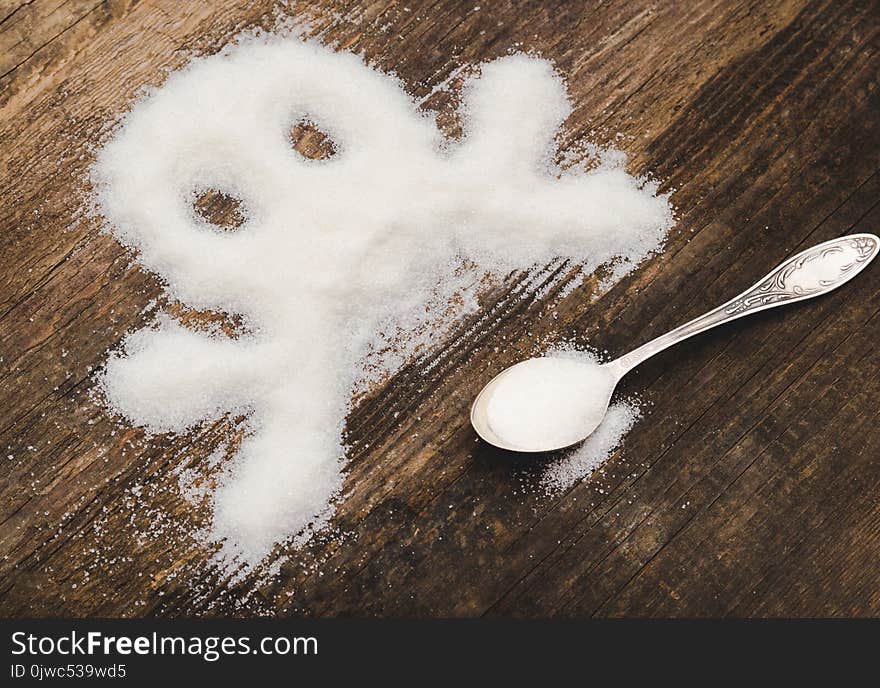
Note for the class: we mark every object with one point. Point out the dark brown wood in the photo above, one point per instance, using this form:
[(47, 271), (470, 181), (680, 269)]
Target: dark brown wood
[(750, 487)]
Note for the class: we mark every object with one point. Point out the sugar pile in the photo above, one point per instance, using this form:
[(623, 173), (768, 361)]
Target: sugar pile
[(329, 248), (581, 462), (549, 402)]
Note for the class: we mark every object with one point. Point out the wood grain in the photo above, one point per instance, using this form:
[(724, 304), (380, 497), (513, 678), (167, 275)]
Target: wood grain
[(751, 486)]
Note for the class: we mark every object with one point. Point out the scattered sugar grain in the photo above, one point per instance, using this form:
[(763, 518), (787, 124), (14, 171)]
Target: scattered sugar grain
[(583, 461)]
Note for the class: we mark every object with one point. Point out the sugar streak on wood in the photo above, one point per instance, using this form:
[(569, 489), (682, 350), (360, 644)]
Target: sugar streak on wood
[(749, 488)]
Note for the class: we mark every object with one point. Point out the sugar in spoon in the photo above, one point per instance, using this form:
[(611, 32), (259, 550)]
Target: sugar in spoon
[(549, 403)]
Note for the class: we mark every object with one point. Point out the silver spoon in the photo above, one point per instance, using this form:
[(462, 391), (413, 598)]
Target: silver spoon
[(810, 273)]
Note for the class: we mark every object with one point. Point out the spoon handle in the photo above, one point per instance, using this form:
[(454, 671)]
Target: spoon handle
[(810, 273)]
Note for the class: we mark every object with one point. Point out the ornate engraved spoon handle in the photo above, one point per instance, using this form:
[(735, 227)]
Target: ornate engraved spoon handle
[(810, 273)]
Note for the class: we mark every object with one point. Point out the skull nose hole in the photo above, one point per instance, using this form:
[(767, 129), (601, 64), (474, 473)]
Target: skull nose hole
[(219, 209), (310, 142)]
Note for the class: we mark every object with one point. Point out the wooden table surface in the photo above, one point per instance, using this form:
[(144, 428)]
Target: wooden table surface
[(751, 486)]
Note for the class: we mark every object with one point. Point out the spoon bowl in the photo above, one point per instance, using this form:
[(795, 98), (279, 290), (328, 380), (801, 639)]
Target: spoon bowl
[(523, 416), (540, 405)]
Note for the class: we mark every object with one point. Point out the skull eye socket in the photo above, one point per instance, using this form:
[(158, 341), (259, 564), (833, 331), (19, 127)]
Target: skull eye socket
[(219, 209), (310, 142)]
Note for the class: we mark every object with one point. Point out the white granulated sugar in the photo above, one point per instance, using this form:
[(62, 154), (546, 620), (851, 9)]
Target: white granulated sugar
[(580, 463), (549, 402), (329, 248)]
